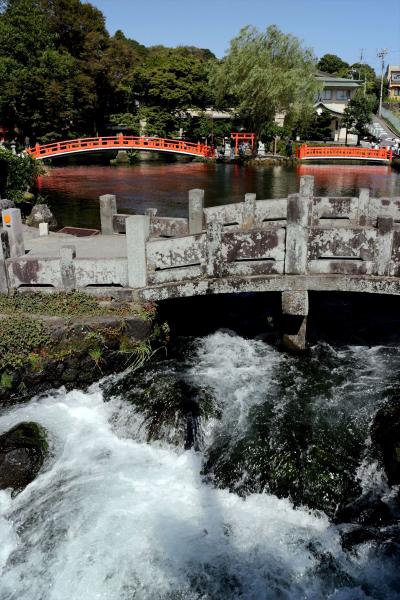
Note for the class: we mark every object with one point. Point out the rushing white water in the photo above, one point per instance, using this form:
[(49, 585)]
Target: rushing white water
[(113, 517)]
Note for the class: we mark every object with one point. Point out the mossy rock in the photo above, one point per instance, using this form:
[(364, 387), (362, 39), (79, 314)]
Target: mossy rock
[(23, 450), (385, 438)]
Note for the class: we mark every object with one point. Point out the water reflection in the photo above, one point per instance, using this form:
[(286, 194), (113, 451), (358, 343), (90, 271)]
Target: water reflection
[(348, 179), (73, 191)]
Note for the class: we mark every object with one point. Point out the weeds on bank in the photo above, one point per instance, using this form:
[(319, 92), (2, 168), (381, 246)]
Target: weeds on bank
[(137, 354), (20, 337), (71, 304)]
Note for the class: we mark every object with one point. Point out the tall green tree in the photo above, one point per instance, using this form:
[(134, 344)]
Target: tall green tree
[(358, 113), (331, 63), (365, 73), (35, 94), (175, 78), (61, 74), (265, 73), (316, 128)]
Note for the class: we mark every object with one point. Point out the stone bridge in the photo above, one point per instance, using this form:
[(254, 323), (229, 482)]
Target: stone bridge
[(289, 245)]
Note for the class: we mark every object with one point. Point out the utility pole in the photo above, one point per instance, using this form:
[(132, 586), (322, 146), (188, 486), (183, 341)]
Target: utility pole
[(381, 54), (365, 73)]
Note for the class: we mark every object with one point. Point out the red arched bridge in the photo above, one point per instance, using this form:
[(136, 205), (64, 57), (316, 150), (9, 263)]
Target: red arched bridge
[(305, 152), (120, 142)]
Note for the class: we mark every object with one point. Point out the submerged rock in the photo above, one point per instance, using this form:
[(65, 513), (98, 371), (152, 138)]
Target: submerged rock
[(387, 538), (23, 450), (368, 510), (385, 437), (122, 158), (171, 408)]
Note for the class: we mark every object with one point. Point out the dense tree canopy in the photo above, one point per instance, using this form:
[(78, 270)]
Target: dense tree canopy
[(266, 73), (330, 63), (62, 76)]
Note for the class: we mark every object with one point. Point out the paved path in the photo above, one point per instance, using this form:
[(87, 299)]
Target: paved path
[(380, 129), (98, 246)]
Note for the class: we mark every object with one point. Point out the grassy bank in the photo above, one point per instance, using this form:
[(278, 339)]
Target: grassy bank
[(72, 339)]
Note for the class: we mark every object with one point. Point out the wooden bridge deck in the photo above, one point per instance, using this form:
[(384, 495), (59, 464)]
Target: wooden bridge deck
[(119, 142), (305, 152)]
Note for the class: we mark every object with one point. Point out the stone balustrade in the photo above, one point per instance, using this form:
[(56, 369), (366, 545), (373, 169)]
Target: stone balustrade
[(292, 245)]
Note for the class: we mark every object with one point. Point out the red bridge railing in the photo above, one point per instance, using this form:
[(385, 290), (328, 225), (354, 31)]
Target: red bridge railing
[(120, 142), (305, 152)]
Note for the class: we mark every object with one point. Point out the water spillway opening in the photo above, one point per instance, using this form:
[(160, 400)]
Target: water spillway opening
[(248, 314), (343, 318)]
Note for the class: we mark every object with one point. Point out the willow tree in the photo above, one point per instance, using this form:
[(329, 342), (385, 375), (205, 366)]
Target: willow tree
[(263, 74)]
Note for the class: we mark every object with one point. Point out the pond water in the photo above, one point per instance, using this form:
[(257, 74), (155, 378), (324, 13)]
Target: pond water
[(73, 191)]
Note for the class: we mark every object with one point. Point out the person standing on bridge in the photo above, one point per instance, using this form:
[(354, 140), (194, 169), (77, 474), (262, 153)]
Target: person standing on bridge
[(288, 148)]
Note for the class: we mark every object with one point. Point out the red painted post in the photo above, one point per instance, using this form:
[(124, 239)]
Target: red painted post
[(120, 139), (37, 149)]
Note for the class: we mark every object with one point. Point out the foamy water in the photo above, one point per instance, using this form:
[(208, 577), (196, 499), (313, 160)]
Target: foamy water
[(113, 517)]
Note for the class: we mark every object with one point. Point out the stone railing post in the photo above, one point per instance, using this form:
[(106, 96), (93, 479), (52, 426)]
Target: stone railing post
[(108, 208), (306, 191), (296, 235), (384, 245), (249, 211), (12, 223), (295, 311), (137, 234), (151, 213), (67, 266), (363, 207), (196, 207), (215, 259), (4, 254)]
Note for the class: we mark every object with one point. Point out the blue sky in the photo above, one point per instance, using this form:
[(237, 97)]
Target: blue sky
[(340, 27)]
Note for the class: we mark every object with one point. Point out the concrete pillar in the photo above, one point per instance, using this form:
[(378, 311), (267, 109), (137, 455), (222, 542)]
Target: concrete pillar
[(363, 207), (307, 194), (249, 211), (4, 254), (215, 261), (108, 208), (137, 234), (67, 267), (296, 235), (295, 311), (384, 245), (43, 229), (196, 207), (12, 223)]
